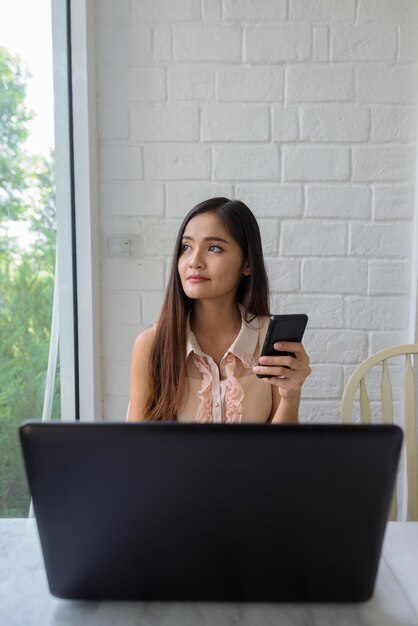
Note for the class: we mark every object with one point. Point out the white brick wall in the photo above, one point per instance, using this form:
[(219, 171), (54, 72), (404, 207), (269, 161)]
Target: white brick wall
[(335, 123), (235, 122), (305, 110), (363, 42), (306, 163), (275, 44), (245, 162), (319, 83)]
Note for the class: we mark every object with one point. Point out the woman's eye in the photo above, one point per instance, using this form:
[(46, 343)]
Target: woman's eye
[(215, 249), (185, 247)]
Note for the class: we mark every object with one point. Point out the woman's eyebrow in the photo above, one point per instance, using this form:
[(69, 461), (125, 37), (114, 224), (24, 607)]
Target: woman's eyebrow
[(206, 238)]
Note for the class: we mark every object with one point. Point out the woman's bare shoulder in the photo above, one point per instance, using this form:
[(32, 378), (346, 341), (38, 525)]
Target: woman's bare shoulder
[(143, 343), (139, 374), (146, 336)]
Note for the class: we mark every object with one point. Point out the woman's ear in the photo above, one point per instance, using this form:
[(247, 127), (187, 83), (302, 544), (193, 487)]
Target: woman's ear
[(247, 270)]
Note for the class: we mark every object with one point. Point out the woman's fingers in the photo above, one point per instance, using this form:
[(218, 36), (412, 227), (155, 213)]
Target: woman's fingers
[(287, 372), (287, 387), (277, 370), (291, 346), (275, 361), (300, 359)]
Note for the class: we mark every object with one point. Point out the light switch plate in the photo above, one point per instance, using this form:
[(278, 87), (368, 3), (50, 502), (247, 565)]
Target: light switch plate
[(122, 246)]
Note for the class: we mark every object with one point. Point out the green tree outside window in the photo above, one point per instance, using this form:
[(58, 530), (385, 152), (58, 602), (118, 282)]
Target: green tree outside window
[(27, 194)]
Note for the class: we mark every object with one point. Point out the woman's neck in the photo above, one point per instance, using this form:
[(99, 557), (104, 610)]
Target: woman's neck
[(210, 317), (215, 327)]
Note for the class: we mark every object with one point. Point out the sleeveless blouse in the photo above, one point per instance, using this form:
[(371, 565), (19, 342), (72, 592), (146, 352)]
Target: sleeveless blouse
[(231, 393)]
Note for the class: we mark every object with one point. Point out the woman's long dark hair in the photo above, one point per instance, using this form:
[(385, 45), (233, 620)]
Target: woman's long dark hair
[(167, 367)]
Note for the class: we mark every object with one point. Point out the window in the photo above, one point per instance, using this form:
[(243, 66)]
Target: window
[(37, 303), (28, 226)]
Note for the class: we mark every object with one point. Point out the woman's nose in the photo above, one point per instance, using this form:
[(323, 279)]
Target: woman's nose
[(196, 260)]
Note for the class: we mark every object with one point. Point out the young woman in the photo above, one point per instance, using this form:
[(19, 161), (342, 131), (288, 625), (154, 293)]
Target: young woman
[(199, 362)]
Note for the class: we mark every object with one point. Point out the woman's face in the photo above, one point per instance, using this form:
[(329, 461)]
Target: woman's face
[(211, 262)]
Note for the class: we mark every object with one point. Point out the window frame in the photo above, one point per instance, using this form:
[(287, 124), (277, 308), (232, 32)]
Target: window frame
[(73, 26)]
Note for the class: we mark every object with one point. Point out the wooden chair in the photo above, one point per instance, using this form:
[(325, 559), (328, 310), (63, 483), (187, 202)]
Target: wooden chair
[(409, 399)]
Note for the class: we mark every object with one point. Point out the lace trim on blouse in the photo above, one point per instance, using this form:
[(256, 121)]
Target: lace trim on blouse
[(204, 412), (234, 392)]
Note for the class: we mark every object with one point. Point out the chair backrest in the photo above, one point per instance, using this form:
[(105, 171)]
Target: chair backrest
[(409, 400)]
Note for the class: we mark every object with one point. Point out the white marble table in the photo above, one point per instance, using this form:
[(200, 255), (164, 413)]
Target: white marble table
[(26, 601)]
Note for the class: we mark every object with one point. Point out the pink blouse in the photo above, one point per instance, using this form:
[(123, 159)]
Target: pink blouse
[(232, 392)]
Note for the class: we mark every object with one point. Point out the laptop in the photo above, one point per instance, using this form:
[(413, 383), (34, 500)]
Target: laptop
[(211, 512)]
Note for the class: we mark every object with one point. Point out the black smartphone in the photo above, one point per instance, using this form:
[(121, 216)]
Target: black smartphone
[(283, 328)]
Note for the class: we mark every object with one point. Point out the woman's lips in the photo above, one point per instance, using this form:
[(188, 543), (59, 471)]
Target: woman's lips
[(196, 278)]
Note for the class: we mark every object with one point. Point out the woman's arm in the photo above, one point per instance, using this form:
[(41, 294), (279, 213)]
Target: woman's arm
[(287, 375), (139, 376), (285, 411)]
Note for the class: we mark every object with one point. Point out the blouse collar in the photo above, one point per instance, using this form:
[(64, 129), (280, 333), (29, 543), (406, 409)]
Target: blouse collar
[(244, 345)]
